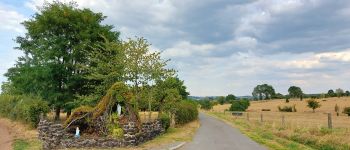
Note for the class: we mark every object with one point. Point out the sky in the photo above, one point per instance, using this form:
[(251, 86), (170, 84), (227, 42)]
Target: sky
[(222, 47)]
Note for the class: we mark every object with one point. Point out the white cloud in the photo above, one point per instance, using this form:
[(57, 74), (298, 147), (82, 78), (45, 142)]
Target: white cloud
[(10, 20)]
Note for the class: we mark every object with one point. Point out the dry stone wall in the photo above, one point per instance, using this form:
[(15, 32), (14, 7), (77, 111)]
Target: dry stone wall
[(54, 136)]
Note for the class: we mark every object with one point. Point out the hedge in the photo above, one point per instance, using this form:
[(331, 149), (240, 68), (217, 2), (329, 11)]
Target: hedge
[(186, 112), (23, 108)]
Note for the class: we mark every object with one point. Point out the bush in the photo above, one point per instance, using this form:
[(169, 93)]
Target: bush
[(347, 111), (186, 112), (285, 109), (165, 119), (240, 105), (23, 108), (206, 104)]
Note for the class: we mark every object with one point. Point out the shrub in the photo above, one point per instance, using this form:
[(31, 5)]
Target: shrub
[(165, 119), (240, 105), (186, 112), (285, 109), (313, 104), (347, 111), (23, 108), (206, 104), (287, 100)]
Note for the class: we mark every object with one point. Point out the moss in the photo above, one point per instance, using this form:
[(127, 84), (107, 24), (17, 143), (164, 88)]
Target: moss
[(78, 112)]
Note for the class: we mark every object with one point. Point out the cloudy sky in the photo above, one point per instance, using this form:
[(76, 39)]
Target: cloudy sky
[(224, 46)]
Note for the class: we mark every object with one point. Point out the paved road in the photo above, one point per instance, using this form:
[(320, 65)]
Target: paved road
[(217, 135), (5, 138)]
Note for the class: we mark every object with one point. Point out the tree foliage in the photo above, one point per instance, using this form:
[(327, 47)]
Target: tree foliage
[(229, 98), (240, 105), (263, 91), (313, 104), (296, 92), (57, 45)]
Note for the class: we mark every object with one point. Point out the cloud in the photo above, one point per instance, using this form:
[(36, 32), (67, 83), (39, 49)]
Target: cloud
[(222, 47), (10, 20)]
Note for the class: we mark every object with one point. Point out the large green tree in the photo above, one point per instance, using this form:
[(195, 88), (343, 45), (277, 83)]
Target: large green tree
[(143, 67), (295, 91), (263, 91), (57, 45)]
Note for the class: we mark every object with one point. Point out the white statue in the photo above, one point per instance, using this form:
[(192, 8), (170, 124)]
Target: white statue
[(119, 109), (77, 133)]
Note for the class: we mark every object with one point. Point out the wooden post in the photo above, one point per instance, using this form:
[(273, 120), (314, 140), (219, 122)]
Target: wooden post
[(283, 123), (247, 116), (261, 117), (330, 120)]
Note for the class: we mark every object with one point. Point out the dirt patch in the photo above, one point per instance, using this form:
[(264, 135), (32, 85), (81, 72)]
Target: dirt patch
[(11, 130), (5, 138)]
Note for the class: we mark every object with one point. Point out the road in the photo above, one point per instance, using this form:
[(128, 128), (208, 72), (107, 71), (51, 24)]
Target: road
[(217, 135), (5, 137)]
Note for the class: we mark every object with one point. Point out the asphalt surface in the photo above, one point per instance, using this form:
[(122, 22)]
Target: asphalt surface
[(214, 134)]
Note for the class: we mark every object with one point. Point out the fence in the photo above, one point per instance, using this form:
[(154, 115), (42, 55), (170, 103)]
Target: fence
[(295, 118)]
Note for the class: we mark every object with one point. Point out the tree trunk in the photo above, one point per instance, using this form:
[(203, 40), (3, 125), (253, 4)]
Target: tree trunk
[(57, 113), (313, 110), (69, 113)]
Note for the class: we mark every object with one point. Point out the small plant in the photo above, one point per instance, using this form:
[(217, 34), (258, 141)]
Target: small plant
[(336, 109), (294, 109), (285, 109), (165, 119), (313, 104), (347, 111)]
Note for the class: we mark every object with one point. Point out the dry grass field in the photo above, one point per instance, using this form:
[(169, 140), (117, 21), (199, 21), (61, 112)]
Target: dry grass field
[(304, 115), (300, 128)]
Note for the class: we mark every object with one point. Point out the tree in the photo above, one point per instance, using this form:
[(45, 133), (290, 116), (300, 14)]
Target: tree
[(339, 92), (163, 89), (295, 91), (331, 93), (347, 93), (143, 67), (229, 98), (221, 100), (263, 91), (278, 96), (313, 104), (206, 104), (56, 49), (240, 105)]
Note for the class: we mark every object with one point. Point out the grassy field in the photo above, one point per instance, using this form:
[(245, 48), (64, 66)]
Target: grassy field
[(301, 129), (304, 115)]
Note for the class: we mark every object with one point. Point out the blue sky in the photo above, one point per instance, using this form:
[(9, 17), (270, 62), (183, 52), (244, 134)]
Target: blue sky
[(221, 47)]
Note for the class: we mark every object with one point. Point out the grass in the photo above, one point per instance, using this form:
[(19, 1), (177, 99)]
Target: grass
[(276, 136), (260, 134), (26, 144), (304, 115)]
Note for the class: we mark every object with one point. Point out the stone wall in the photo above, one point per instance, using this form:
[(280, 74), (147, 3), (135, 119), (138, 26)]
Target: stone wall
[(54, 136)]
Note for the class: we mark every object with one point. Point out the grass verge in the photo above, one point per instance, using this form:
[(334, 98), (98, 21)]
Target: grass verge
[(26, 144), (260, 133)]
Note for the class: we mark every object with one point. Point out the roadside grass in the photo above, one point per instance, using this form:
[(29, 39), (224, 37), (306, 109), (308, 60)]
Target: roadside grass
[(260, 133), (276, 136), (27, 144)]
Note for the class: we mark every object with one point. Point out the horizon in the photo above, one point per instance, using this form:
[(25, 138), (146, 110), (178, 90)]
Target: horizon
[(223, 47)]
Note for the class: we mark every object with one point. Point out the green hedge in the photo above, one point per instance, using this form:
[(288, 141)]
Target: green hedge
[(239, 105), (186, 112), (23, 108)]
